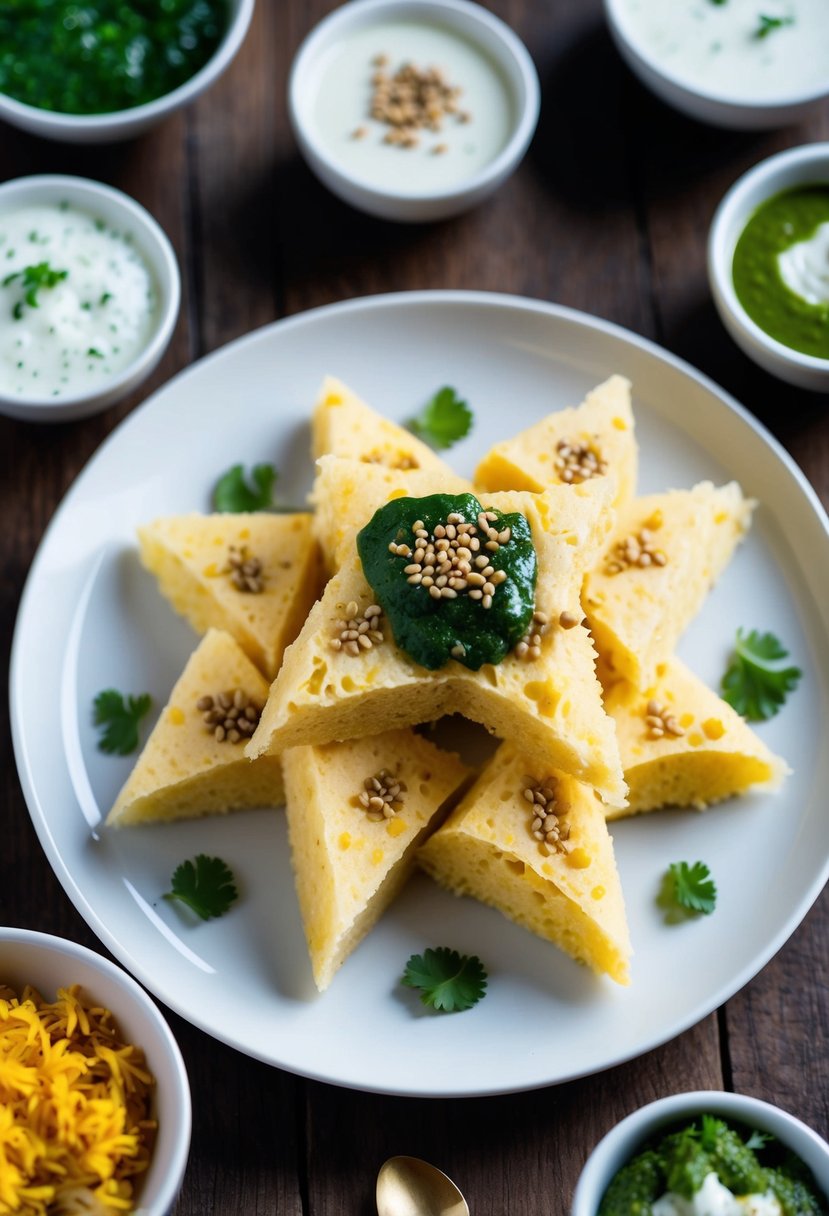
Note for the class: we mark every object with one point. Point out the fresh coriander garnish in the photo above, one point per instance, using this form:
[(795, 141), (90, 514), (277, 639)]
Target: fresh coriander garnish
[(235, 492), (32, 278), (757, 681), (443, 420), (765, 25), (94, 353), (448, 981), (206, 886), (119, 716), (691, 887), (757, 1139)]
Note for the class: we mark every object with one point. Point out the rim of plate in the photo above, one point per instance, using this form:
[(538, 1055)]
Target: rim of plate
[(368, 304)]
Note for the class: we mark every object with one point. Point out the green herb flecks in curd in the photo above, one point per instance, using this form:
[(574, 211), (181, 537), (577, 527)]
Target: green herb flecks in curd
[(77, 302), (101, 57), (781, 269), (455, 579)]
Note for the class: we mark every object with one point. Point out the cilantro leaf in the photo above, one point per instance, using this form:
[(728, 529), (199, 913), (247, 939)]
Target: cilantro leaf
[(119, 716), (693, 887), (207, 887), (32, 278), (756, 682), (766, 25), (443, 420), (758, 1139), (448, 981), (235, 492)]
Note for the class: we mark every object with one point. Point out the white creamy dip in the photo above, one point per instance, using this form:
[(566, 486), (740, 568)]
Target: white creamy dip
[(97, 315), (441, 159), (721, 47), (804, 267), (714, 1199)]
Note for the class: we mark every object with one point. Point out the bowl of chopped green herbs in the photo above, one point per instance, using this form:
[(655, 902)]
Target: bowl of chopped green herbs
[(706, 1151), (109, 71)]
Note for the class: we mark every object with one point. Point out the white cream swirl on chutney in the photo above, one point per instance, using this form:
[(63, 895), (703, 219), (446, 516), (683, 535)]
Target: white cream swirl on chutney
[(77, 302), (804, 267), (714, 1199)]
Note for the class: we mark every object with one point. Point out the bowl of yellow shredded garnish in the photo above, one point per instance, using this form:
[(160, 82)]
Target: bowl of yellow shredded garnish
[(94, 1100)]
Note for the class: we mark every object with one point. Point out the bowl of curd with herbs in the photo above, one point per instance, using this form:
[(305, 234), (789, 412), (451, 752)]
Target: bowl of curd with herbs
[(732, 63), (768, 265), (89, 297), (413, 110)]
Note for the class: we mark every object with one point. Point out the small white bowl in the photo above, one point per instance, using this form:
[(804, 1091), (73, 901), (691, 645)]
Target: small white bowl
[(805, 166), (124, 124), (49, 963), (470, 22), (759, 112), (150, 240), (627, 1138)]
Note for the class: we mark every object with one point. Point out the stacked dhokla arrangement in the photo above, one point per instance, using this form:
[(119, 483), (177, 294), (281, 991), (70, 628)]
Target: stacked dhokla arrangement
[(543, 600)]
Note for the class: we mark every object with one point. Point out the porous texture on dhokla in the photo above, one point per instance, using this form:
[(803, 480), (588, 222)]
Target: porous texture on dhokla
[(682, 745), (568, 893), (184, 770), (348, 866), (570, 445), (346, 494), (342, 424), (551, 701), (664, 555), (196, 557)]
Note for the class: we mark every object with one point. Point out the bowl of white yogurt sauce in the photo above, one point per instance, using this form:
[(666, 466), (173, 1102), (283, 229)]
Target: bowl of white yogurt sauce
[(742, 64), (413, 110), (772, 295), (89, 297), (645, 1127)]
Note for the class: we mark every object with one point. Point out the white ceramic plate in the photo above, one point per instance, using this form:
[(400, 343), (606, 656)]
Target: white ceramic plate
[(91, 618)]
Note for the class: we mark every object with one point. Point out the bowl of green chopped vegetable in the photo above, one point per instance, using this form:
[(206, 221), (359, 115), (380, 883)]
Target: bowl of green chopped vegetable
[(91, 74), (706, 1151)]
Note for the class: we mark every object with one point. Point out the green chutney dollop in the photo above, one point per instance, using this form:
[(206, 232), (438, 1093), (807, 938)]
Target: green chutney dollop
[(776, 225), (101, 56), (456, 580), (747, 1163)]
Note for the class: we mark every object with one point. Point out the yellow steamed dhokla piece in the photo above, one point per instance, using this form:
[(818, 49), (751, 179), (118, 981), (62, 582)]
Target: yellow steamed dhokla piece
[(351, 859), (343, 425), (564, 887), (571, 445), (184, 769), (665, 553), (682, 745), (550, 699), (203, 565), (347, 492)]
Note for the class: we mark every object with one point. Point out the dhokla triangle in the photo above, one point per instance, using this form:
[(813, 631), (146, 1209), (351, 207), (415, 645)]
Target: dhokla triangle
[(254, 575), (347, 492), (332, 686), (357, 812), (194, 761), (534, 844), (593, 439), (342, 424), (664, 555), (682, 745)]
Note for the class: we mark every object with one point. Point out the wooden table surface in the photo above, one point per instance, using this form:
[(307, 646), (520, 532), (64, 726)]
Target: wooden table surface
[(609, 214)]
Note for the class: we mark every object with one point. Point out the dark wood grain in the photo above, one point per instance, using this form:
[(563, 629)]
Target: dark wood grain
[(608, 213)]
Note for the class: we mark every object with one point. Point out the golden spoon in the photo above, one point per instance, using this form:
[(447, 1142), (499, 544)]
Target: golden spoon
[(407, 1186)]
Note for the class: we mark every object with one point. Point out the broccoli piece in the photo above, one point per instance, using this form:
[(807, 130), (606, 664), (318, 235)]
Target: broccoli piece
[(635, 1188), (686, 1162), (732, 1159)]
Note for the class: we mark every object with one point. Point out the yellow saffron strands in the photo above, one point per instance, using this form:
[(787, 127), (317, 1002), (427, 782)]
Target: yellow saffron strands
[(74, 1108)]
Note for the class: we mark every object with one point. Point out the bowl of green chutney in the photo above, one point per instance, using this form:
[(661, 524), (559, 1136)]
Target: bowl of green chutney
[(109, 71), (768, 265)]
